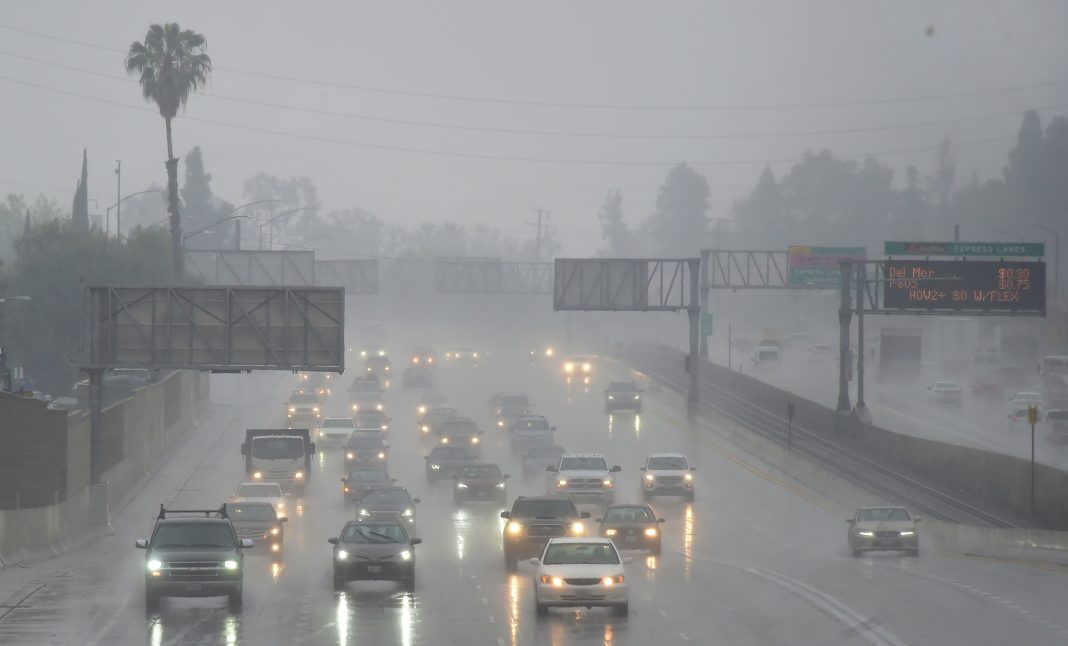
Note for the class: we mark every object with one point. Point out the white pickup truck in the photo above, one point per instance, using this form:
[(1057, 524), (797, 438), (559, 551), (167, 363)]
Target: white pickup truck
[(582, 477)]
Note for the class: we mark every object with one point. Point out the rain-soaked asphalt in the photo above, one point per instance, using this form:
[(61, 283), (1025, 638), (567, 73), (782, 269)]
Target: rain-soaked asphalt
[(751, 561)]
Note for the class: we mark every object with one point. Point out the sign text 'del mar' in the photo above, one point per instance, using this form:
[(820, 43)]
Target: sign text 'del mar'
[(973, 285)]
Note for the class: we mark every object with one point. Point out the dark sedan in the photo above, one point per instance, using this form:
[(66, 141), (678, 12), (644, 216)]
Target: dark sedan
[(369, 550), (359, 480), (480, 482), (631, 527)]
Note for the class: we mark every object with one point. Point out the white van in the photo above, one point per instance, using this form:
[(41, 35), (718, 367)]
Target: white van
[(767, 356)]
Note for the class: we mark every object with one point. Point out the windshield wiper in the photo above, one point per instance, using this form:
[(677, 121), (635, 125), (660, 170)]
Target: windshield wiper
[(388, 539)]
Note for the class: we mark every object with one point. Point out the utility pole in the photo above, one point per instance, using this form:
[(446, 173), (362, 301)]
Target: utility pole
[(118, 198), (237, 234), (845, 317), (537, 244)]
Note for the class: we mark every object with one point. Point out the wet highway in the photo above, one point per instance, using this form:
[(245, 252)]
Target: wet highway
[(753, 560)]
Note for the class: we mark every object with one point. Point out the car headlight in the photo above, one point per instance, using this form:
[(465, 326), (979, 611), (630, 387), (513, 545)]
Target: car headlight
[(409, 512), (500, 423), (864, 532), (230, 564), (356, 407), (381, 456), (548, 352), (444, 440), (350, 455), (406, 555), (650, 477), (257, 475), (292, 409), (422, 410), (500, 485), (154, 565), (687, 476), (554, 581), (380, 407), (385, 427), (611, 396), (299, 475), (430, 360), (610, 532), (474, 355), (650, 531), (274, 531), (364, 512), (612, 580), (381, 353), (460, 485), (569, 367), (637, 397), (908, 532), (475, 440), (426, 429), (315, 409), (435, 467), (387, 368), (585, 367), (342, 555), (607, 483), (561, 483), (578, 528), (514, 528)]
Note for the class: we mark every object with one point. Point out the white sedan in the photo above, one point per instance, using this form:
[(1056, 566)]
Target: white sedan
[(269, 492), (945, 392), (580, 572)]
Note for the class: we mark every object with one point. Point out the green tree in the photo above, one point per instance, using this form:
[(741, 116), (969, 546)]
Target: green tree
[(172, 64), (614, 229), (680, 224), (199, 204), (763, 214)]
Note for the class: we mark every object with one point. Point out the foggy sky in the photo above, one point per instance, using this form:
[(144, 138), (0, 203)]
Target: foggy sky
[(740, 53)]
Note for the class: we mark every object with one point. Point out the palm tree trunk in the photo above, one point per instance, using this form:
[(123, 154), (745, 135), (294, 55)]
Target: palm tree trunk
[(177, 254)]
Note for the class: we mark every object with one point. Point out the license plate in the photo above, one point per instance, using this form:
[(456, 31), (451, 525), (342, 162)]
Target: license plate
[(630, 539), (582, 594), (374, 569), (193, 587)]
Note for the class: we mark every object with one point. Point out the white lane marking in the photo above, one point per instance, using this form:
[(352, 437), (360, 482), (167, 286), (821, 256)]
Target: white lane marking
[(684, 637), (662, 613), (485, 601), (492, 620)]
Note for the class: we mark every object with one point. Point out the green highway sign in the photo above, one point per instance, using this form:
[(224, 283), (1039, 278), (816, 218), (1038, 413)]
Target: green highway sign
[(820, 267), (995, 249)]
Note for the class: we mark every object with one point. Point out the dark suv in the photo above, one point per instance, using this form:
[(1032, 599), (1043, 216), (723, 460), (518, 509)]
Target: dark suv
[(533, 521), (193, 553)]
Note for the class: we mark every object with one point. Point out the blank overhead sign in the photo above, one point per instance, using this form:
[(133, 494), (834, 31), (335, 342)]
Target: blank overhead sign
[(259, 268), (215, 328), (356, 276), (623, 284)]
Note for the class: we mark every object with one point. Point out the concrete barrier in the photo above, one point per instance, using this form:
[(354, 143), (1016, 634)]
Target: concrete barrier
[(140, 431)]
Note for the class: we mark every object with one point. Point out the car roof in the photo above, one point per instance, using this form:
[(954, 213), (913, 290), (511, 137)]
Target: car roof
[(385, 488), (337, 419), (193, 519), (249, 504), (632, 505), (582, 455), (523, 417), (666, 455), (882, 507), (579, 540), (260, 483), (476, 465), (622, 383)]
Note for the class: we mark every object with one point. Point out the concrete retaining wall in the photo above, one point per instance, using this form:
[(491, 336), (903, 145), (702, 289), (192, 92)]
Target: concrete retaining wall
[(138, 439)]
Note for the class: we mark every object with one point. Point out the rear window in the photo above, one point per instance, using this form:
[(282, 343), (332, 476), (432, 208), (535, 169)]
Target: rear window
[(532, 425), (1057, 415), (622, 387), (356, 442), (252, 512), (338, 423)]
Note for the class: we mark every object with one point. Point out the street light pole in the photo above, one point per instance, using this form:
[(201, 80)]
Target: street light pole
[(270, 224), (118, 197), (117, 206)]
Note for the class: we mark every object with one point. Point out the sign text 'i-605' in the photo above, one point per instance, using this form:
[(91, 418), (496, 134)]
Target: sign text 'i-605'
[(980, 286)]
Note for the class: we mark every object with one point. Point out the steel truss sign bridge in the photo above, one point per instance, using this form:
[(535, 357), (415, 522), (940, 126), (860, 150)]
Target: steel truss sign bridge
[(223, 329), (491, 276), (356, 276), (240, 267)]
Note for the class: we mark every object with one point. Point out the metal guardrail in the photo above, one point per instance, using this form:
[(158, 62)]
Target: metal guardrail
[(833, 456)]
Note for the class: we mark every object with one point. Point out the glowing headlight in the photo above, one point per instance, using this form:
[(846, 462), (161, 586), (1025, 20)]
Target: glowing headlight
[(422, 410), (363, 353), (408, 512), (350, 455), (444, 440), (154, 565), (230, 565), (292, 409), (475, 355), (554, 581), (611, 396), (688, 476), (299, 475), (387, 368), (342, 555), (610, 532), (315, 409), (430, 360), (380, 406), (514, 527), (364, 512), (649, 477), (475, 440), (569, 367), (426, 429), (415, 359), (274, 531), (607, 483), (275, 547), (548, 352), (381, 456), (385, 427), (585, 367), (500, 485), (561, 483), (257, 475), (612, 580), (381, 353), (907, 532), (558, 582), (637, 397), (435, 467), (405, 555), (578, 528), (460, 485), (500, 423), (650, 531), (864, 532)]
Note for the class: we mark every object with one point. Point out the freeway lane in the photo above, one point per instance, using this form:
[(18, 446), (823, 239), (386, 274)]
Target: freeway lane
[(749, 562)]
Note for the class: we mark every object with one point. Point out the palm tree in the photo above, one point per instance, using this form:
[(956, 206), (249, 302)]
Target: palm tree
[(172, 64)]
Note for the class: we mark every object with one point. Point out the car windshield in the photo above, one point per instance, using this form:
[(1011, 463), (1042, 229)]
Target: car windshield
[(883, 514), (277, 448), (545, 452), (359, 533), (450, 453), (252, 512), (1057, 415), (367, 387), (622, 387), (370, 417), (533, 424), (368, 475), (259, 491), (592, 463), (368, 434), (542, 508), (387, 497), (513, 401), (481, 471), (628, 515), (193, 535), (768, 355), (463, 427), (338, 423), (356, 442), (303, 398), (667, 463), (580, 554)]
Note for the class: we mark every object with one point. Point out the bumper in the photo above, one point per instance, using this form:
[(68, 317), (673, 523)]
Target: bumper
[(581, 595), (678, 489), (635, 542), (172, 588), (480, 493), (376, 571), (586, 495), (631, 405), (524, 547), (877, 543)]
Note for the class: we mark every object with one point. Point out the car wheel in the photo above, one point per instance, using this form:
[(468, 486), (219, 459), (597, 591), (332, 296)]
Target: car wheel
[(646, 495), (541, 610), (622, 610), (511, 564), (339, 582), (456, 500), (409, 583), (151, 601), (235, 599), (915, 552), (655, 549), (689, 496)]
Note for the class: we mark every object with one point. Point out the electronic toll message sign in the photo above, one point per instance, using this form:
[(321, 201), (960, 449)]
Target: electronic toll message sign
[(966, 285)]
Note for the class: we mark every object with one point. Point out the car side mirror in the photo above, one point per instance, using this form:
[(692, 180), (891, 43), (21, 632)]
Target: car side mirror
[(506, 515), (416, 501), (141, 543), (534, 560), (551, 469), (283, 519), (244, 449), (599, 520), (849, 520), (332, 541), (641, 468), (552, 428), (917, 520), (660, 520), (246, 543), (693, 468), (616, 469), (584, 514), (627, 560), (416, 541), (506, 476)]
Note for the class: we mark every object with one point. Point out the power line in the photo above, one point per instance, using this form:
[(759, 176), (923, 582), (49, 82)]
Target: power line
[(577, 105), (552, 133), (489, 157)]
